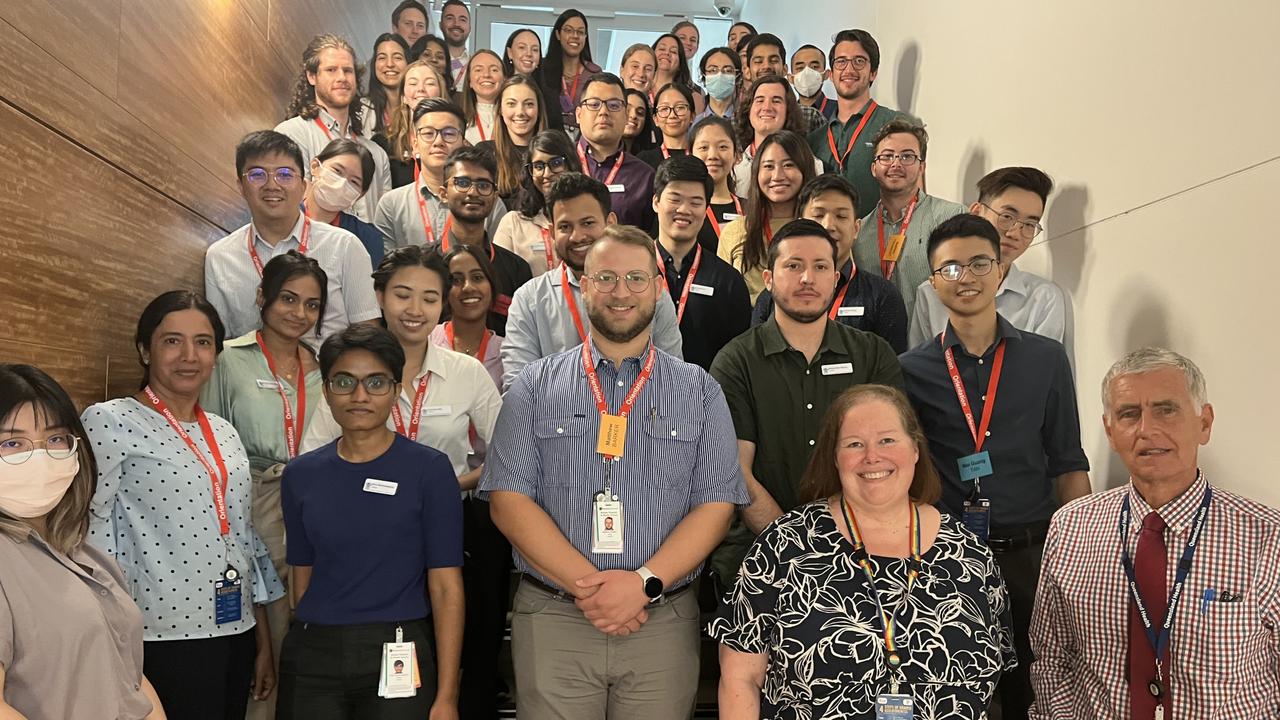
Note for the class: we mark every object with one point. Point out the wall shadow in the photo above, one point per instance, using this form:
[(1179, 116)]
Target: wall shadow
[(907, 77), (1068, 213), (972, 168)]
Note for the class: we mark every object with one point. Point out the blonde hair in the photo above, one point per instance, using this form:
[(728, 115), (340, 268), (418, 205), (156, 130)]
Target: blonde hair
[(400, 131)]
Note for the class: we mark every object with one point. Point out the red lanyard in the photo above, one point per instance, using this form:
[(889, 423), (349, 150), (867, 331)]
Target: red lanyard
[(484, 342), (573, 94), (887, 266), (867, 111), (573, 306), (597, 392), (217, 477), (323, 128), (302, 244), (292, 424), (617, 164), (979, 432), (768, 228), (823, 107), (418, 397), (666, 154), (548, 247), (426, 222), (711, 216), (839, 301), (480, 126), (688, 282)]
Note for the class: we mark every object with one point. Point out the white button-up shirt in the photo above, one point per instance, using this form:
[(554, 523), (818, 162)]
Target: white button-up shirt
[(528, 238), (312, 141)]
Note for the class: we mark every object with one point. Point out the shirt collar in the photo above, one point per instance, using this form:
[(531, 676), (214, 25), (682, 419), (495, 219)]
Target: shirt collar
[(773, 342), (295, 234), (668, 260), (921, 197), (1015, 281), (249, 339), (330, 122), (586, 151), (1004, 331), (599, 357), (1179, 512), (433, 363)]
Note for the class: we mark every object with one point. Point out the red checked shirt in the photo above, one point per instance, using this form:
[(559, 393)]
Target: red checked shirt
[(1225, 653)]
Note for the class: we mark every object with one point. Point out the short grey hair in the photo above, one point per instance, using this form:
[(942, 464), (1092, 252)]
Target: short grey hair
[(1149, 359)]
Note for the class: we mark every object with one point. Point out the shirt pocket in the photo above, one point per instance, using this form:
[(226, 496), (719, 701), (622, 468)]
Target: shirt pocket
[(560, 440), (1216, 646), (672, 449)]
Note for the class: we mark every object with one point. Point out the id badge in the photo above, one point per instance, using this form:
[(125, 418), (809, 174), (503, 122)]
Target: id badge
[(398, 678), (974, 466), (226, 600), (893, 248), (613, 435), (606, 525), (977, 517), (894, 707)]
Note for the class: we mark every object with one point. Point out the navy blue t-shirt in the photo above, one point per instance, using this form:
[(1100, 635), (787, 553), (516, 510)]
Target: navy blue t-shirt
[(369, 551)]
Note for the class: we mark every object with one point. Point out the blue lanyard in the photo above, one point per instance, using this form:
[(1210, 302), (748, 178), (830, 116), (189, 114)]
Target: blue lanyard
[(1160, 642)]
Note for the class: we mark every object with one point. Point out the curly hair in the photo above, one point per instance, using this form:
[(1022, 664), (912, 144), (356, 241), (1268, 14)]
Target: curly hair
[(742, 116), (303, 102)]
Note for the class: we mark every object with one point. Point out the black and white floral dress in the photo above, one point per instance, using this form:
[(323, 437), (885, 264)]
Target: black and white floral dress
[(803, 600)]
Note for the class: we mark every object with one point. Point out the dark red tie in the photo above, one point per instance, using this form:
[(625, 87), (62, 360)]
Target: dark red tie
[(1149, 565)]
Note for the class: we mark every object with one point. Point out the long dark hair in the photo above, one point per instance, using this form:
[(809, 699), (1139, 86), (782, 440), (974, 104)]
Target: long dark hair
[(420, 47), (682, 74), (551, 69), (506, 152), (742, 116), (551, 142), (155, 313), (486, 267), (304, 103), (377, 94), (645, 139), (507, 64), (755, 250), (283, 268)]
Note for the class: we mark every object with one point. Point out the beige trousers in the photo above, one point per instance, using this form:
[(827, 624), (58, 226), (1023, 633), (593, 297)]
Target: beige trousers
[(268, 520)]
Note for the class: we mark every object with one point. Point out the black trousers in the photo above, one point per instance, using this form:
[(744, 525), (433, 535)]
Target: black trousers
[(1021, 571), (330, 672), (487, 577), (205, 679)]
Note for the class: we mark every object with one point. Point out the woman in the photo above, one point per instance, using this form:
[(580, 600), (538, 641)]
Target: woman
[(672, 66), (173, 505), (267, 384), (803, 632), (740, 31), (470, 300), (638, 133), (390, 57), (373, 519), (712, 141), (566, 65), (769, 106), (523, 53), (721, 71), (421, 81), (783, 166), (687, 32), (482, 79), (435, 52), (527, 231), (639, 63), (522, 114), (340, 175), (70, 634), (673, 108)]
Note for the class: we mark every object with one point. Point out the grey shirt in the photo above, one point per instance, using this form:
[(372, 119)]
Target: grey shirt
[(400, 220), (912, 267)]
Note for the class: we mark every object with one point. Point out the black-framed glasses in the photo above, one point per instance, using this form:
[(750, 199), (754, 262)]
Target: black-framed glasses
[(858, 61), (376, 384), (613, 105), (284, 176), (17, 450), (907, 158), (555, 164), (1006, 222), (679, 111), (449, 135), (979, 266), (482, 186), (606, 281)]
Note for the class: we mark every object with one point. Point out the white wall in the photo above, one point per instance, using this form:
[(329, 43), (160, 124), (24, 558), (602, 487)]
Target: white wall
[(1158, 122)]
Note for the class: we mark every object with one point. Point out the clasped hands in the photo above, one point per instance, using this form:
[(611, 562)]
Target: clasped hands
[(613, 601)]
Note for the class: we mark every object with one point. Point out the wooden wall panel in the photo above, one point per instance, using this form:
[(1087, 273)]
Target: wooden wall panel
[(81, 33)]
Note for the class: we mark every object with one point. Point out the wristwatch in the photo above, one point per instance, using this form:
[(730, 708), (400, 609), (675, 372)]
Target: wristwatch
[(652, 583)]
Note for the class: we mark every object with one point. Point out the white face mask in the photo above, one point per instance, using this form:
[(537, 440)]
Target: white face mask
[(807, 82), (332, 192), (35, 487)]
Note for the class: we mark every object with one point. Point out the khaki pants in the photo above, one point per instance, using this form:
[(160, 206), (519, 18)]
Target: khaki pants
[(268, 520), (568, 670)]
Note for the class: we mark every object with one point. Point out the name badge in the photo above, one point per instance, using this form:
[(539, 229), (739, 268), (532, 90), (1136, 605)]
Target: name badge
[(437, 410), (613, 435), (697, 289), (381, 487), (617, 188), (838, 369), (894, 707), (976, 517), (399, 676), (539, 247), (851, 311), (974, 466), (606, 526), (268, 384), (226, 601), (732, 216), (893, 249)]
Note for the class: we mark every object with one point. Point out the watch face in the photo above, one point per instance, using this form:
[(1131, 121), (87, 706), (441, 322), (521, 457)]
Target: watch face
[(653, 588)]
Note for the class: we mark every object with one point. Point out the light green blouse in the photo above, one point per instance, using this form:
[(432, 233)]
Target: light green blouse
[(243, 391)]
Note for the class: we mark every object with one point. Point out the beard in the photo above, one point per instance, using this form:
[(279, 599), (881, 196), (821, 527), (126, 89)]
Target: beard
[(798, 315), (619, 333)]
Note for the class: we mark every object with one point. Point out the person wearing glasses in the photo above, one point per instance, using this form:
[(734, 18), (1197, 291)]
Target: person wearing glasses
[(375, 549), (673, 113), (269, 166), (70, 634), (601, 116), (721, 70), (527, 231), (1013, 199), (844, 144), (998, 406), (891, 240), (613, 474)]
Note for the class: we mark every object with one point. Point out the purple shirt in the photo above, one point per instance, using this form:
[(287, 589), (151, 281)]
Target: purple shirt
[(633, 202)]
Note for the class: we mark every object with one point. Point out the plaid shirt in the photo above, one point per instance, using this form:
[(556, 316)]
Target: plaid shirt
[(1224, 653)]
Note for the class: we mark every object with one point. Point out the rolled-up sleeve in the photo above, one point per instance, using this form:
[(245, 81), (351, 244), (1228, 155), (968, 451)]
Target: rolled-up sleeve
[(357, 284), (99, 426)]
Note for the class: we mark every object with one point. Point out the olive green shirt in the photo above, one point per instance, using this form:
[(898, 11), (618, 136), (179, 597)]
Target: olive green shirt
[(778, 401), (857, 164)]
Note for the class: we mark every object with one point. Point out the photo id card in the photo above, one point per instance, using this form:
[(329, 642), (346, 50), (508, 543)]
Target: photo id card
[(226, 601), (894, 707), (977, 517), (399, 675), (606, 526)]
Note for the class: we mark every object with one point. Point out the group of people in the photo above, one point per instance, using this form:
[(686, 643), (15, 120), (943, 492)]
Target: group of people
[(692, 352)]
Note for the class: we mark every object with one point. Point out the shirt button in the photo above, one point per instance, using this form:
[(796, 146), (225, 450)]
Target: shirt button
[(673, 433), (137, 687), (806, 372), (619, 383), (987, 433), (810, 442), (560, 430), (808, 406), (103, 593), (979, 361)]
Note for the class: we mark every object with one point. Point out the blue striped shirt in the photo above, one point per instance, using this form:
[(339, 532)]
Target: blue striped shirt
[(680, 450)]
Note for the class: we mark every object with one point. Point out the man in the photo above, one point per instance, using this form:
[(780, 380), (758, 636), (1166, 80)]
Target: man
[(780, 376), (601, 115), (766, 55), (269, 167), (712, 303), (410, 21), (1013, 199), (546, 315), (326, 105), (1106, 553), (808, 73), (414, 214), (605, 623), (844, 145), (470, 191), (864, 301), (891, 241), (455, 25), (999, 408)]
